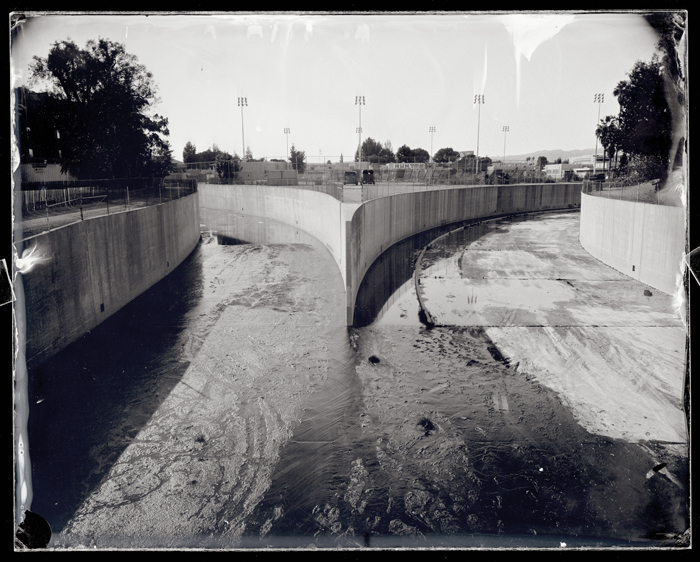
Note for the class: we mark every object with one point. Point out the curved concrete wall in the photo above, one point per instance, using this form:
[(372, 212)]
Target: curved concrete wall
[(643, 241), (381, 223), (95, 267), (313, 212)]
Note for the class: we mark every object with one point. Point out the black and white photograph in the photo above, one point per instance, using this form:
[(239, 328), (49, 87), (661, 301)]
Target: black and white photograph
[(350, 281)]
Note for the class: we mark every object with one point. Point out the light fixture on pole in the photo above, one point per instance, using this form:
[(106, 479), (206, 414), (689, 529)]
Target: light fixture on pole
[(241, 103), (505, 131), (360, 101), (478, 99), (597, 98), (286, 132), (432, 130)]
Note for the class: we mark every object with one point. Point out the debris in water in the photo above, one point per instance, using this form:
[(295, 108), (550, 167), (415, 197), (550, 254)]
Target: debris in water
[(427, 425)]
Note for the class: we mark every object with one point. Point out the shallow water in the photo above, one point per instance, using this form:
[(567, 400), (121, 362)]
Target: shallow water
[(413, 436)]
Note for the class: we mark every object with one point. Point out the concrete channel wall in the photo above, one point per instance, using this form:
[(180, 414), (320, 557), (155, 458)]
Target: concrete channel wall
[(95, 267), (378, 224), (643, 241), (313, 212)]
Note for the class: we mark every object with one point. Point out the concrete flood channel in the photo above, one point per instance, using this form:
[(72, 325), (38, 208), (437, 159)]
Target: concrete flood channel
[(230, 406)]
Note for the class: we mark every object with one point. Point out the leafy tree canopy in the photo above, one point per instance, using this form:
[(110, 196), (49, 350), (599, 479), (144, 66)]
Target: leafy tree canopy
[(420, 155), (404, 154), (226, 165), (374, 151), (446, 155), (298, 159), (644, 120), (189, 152), (105, 116)]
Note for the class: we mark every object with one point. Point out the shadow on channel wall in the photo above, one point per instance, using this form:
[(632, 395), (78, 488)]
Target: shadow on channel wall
[(391, 275), (232, 228), (92, 398)]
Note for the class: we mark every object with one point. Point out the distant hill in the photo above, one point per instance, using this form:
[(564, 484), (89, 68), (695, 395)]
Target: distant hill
[(550, 155)]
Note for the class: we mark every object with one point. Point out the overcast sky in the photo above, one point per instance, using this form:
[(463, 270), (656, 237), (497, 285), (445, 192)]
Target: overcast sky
[(538, 74)]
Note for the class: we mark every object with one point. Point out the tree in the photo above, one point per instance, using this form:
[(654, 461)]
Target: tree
[(541, 162), (248, 154), (189, 152), (608, 132), (298, 159), (105, 116), (404, 154), (446, 155), (420, 155), (161, 162), (226, 166), (370, 148), (644, 121)]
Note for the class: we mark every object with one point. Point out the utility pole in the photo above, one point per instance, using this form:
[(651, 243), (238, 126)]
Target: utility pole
[(505, 131), (597, 98), (360, 101), (241, 103), (286, 132), (478, 99)]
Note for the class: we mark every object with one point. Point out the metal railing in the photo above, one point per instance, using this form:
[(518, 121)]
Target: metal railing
[(360, 193), (647, 192), (47, 206)]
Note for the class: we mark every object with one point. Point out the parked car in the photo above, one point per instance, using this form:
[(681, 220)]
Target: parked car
[(368, 176)]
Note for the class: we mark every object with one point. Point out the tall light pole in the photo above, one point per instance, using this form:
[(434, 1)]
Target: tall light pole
[(505, 131), (286, 133), (241, 103), (432, 130), (360, 101), (597, 98), (478, 99)]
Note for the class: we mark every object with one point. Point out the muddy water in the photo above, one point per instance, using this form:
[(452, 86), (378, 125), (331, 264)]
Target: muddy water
[(407, 436)]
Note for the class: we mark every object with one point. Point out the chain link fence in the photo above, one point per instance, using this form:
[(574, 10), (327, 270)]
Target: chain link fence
[(50, 205)]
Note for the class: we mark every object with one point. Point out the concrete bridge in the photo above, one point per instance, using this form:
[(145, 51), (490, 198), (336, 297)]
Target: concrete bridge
[(357, 234)]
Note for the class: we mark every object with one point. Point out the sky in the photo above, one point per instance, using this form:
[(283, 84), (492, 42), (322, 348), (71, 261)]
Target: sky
[(538, 74)]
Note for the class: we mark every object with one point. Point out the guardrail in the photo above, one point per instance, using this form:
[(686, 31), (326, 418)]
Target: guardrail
[(647, 192), (360, 193), (47, 206)]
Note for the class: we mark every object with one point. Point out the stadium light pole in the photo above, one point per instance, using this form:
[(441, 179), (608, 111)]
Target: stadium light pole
[(359, 101), (479, 100), (597, 98), (286, 132), (505, 131), (432, 130), (241, 103)]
